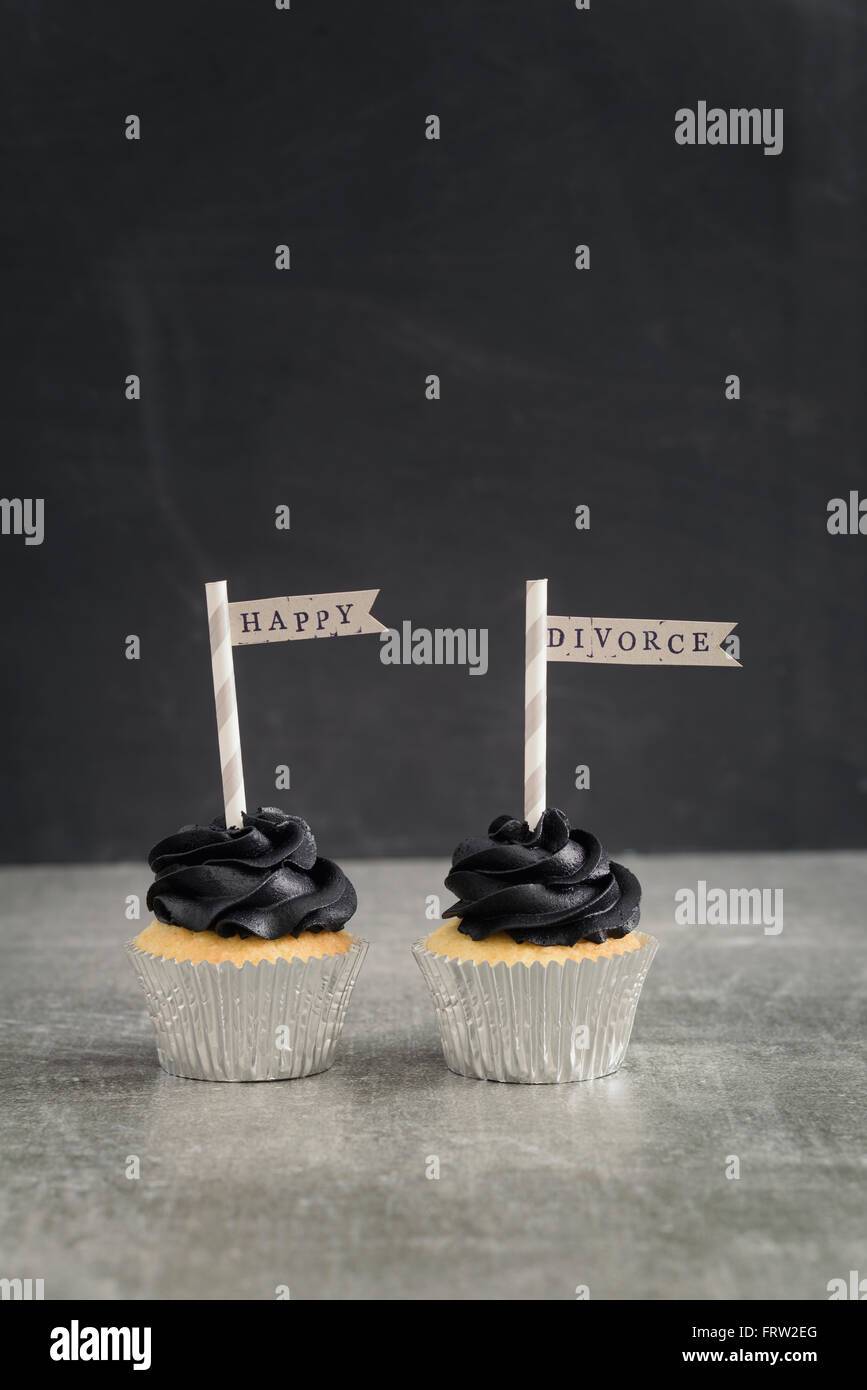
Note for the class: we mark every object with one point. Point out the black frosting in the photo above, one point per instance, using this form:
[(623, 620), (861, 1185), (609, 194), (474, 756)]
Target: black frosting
[(551, 886), (264, 879)]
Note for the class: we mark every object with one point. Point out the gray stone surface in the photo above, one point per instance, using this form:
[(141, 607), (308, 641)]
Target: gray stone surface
[(745, 1044)]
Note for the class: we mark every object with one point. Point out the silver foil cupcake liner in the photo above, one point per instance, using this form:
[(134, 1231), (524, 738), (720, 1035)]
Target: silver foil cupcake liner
[(264, 1022), (527, 1023)]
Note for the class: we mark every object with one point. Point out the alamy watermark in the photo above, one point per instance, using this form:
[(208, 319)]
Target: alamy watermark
[(847, 516), (439, 646), (852, 1288), (730, 907), (77, 1343), (21, 1290), (736, 126), (23, 516)]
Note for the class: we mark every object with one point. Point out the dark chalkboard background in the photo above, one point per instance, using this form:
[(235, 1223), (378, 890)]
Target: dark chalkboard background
[(412, 257)]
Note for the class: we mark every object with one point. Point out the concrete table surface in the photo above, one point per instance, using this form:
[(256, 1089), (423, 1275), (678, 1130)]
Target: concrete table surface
[(746, 1045)]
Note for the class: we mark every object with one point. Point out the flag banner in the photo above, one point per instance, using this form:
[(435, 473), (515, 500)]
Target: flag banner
[(639, 641), (294, 618)]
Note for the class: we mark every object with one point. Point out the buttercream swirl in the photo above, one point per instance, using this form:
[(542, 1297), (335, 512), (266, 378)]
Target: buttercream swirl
[(552, 886), (263, 879)]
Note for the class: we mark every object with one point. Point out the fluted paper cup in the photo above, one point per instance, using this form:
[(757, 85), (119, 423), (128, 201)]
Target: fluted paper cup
[(267, 1021), (526, 1023)]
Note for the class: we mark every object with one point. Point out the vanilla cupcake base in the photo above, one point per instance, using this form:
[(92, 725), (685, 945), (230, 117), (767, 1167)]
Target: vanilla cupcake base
[(177, 943), (534, 1014), (242, 1009), (449, 940)]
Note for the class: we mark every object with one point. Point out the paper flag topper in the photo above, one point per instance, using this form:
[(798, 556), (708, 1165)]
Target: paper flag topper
[(288, 619), (619, 641), (639, 641), (308, 615)]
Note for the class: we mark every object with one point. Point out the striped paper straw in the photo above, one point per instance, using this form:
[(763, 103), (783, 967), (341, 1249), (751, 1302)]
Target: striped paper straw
[(228, 729), (535, 700)]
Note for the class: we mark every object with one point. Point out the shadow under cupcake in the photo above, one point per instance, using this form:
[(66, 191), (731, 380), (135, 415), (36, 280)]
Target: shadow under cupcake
[(246, 969), (536, 974)]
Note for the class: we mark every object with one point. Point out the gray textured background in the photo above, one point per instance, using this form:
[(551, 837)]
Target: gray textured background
[(411, 257), (744, 1045)]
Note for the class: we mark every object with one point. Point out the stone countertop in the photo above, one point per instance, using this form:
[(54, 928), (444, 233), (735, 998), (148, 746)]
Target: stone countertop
[(746, 1044)]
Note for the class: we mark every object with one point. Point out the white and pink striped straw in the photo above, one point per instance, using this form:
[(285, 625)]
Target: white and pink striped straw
[(228, 728), (535, 700)]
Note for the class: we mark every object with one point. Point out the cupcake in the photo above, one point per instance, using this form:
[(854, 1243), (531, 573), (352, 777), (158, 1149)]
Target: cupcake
[(536, 971), (246, 967)]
